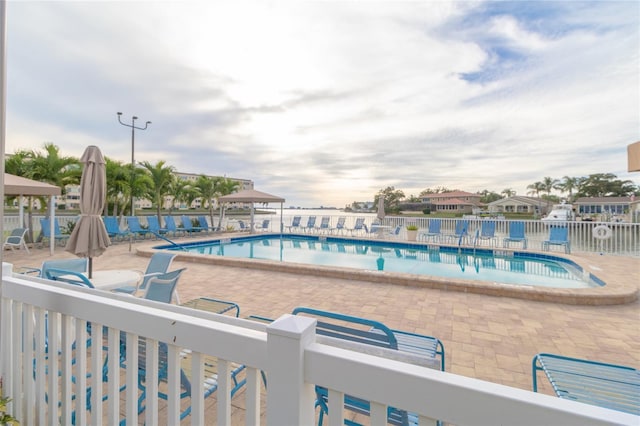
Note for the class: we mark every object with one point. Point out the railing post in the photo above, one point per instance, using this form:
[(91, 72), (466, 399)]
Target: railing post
[(291, 400), (6, 361)]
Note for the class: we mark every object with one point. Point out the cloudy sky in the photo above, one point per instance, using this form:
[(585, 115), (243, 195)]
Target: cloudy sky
[(327, 102)]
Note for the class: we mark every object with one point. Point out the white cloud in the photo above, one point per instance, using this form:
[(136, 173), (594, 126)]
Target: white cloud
[(328, 102), (516, 36)]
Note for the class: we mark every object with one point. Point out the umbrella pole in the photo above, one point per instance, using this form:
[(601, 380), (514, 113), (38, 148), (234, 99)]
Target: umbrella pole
[(90, 267)]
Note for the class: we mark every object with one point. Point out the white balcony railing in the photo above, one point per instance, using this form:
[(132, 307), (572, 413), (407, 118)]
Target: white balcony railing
[(292, 356)]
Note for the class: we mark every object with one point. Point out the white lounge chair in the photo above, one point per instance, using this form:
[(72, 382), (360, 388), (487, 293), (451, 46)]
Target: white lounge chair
[(16, 239)]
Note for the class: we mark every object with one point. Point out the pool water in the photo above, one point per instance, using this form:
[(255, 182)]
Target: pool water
[(493, 265)]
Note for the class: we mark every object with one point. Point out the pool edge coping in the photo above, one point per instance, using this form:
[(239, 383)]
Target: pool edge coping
[(613, 293)]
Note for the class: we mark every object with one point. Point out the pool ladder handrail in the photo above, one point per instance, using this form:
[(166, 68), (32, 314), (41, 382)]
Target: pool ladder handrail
[(162, 237), (475, 241)]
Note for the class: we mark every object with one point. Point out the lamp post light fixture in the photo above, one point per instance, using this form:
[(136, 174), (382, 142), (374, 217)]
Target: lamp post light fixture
[(133, 161)]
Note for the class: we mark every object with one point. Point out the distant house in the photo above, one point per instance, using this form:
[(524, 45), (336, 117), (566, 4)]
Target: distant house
[(453, 202), (520, 204), (362, 206), (605, 208), (634, 209)]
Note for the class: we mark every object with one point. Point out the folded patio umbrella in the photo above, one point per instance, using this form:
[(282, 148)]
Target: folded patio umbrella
[(381, 208), (89, 237)]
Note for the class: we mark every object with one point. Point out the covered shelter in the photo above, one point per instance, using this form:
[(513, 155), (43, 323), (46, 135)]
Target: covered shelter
[(252, 196), (23, 187)]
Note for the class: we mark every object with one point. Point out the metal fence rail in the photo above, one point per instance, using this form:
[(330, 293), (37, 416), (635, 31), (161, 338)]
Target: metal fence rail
[(623, 240)]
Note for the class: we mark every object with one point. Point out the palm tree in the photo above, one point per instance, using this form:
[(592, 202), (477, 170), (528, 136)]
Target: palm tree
[(190, 194), (535, 188), (50, 167), (118, 183), (225, 187), (160, 178), (18, 163), (178, 189), (138, 184), (548, 184), (568, 184), (508, 192), (208, 189)]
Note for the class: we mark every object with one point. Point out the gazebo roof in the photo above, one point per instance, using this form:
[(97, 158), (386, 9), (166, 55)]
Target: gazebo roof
[(251, 196), (17, 185)]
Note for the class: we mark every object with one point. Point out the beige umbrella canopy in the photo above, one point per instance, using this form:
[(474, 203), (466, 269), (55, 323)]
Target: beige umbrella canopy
[(89, 237), (381, 212), (253, 196)]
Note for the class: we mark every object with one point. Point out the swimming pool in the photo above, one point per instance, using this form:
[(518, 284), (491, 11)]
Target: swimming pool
[(486, 265)]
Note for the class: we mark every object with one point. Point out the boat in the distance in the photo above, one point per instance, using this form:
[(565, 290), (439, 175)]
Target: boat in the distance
[(560, 213)]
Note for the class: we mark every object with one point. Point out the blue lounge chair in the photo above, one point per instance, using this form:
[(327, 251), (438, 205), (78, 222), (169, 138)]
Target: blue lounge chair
[(208, 364), (516, 234), (264, 225), (216, 306), (616, 387), (113, 228), (370, 332), (76, 265), (69, 277), (204, 224), (244, 227), (325, 223), (310, 226), (171, 226), (16, 240), (210, 378), (45, 225), (162, 287), (350, 328), (189, 227), (395, 232), (358, 226), (373, 231), (159, 264), (70, 271), (295, 224), (339, 228), (558, 236), (135, 228), (42, 366), (460, 234), (433, 232), (487, 232), (154, 225)]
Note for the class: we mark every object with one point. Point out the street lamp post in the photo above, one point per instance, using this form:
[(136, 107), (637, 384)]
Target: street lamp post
[(133, 161)]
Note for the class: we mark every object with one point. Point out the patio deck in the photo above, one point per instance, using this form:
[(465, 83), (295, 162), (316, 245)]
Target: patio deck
[(486, 337)]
